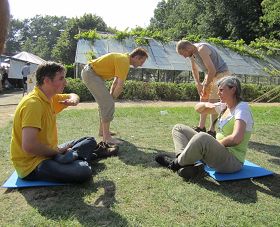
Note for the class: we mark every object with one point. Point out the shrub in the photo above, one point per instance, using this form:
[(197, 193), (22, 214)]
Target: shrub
[(69, 70), (250, 92), (139, 90), (188, 92), (78, 87), (134, 90)]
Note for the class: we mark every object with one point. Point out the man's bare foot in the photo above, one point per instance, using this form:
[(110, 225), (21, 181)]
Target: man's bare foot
[(114, 141), (111, 133)]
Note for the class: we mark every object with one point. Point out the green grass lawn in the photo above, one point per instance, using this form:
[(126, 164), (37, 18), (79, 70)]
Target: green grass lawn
[(132, 190)]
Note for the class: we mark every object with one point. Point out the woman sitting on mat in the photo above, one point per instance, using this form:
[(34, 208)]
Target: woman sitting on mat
[(225, 154)]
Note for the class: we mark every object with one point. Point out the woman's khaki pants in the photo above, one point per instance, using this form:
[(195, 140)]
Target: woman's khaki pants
[(191, 147)]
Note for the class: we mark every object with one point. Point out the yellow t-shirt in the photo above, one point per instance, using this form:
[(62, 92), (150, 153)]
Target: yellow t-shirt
[(36, 111), (111, 65)]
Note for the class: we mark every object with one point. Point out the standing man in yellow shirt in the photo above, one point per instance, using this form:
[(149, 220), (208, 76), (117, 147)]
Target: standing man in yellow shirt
[(107, 67), (34, 148)]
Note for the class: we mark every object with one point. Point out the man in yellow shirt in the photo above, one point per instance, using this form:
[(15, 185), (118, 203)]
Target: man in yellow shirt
[(34, 145), (107, 67)]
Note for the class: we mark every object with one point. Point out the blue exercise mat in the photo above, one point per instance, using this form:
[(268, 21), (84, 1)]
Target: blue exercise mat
[(15, 182), (249, 170)]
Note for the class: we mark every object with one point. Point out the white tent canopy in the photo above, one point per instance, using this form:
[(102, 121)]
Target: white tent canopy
[(28, 57), (18, 61)]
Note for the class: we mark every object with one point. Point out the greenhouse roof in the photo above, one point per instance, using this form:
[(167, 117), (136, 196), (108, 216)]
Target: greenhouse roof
[(163, 56)]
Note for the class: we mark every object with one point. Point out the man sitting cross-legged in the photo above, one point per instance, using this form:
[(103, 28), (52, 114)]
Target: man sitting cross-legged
[(34, 148)]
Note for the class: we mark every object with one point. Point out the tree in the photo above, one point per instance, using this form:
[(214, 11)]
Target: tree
[(37, 35), (221, 18), (91, 21), (38, 47), (65, 49), (14, 36), (271, 17)]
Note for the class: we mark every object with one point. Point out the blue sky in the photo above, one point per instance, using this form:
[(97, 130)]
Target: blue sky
[(115, 13)]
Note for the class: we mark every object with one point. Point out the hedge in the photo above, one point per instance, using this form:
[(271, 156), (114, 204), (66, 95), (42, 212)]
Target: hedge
[(139, 90)]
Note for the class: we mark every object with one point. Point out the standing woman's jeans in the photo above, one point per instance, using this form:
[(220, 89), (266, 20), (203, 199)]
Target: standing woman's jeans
[(77, 171)]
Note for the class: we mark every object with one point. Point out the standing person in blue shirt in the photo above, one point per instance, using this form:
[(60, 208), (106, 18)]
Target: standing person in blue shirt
[(204, 56)]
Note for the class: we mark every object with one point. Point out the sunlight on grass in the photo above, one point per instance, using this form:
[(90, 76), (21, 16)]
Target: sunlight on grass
[(132, 190)]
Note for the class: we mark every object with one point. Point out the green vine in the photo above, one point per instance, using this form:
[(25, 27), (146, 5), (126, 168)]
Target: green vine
[(90, 55), (258, 48), (193, 38), (237, 46), (265, 46), (88, 35), (121, 35), (272, 72), (141, 41), (142, 36)]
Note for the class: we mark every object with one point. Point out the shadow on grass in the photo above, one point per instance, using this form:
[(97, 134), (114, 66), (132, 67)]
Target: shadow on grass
[(144, 156), (265, 148), (89, 203), (244, 191)]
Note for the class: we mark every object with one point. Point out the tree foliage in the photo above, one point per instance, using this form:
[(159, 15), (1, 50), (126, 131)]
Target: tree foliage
[(50, 37), (37, 35), (65, 49), (229, 19), (271, 10), (232, 23)]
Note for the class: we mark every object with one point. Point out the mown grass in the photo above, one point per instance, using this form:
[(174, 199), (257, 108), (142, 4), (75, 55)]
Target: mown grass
[(132, 190)]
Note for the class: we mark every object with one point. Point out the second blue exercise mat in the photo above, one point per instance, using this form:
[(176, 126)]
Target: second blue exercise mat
[(249, 170)]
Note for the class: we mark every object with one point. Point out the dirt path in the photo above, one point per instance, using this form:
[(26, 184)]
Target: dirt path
[(8, 104)]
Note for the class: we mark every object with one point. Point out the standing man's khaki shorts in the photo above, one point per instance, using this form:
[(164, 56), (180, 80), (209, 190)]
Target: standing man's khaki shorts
[(213, 96), (97, 87)]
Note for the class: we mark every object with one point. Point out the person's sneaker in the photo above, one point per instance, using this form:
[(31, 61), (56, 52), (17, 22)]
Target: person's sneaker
[(212, 133), (191, 171), (198, 129), (174, 165), (168, 162), (105, 150), (164, 159)]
